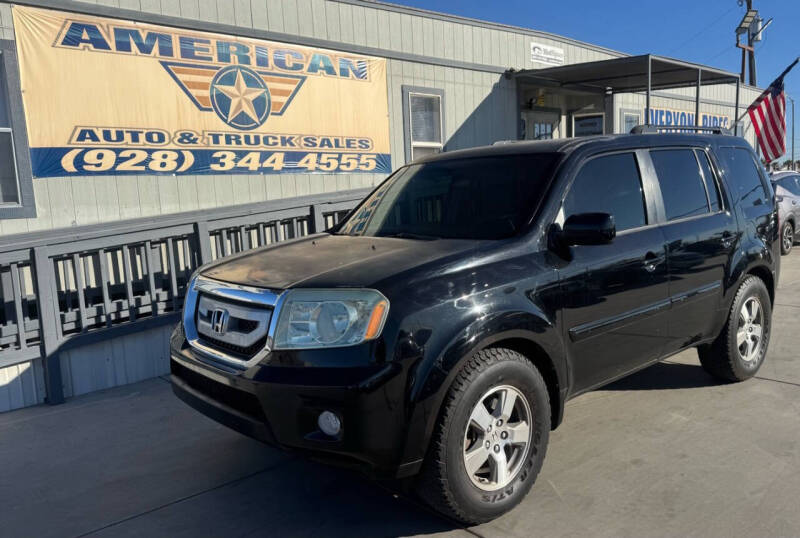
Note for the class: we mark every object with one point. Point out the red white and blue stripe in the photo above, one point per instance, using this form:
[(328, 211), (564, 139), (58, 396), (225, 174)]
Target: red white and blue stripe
[(768, 115)]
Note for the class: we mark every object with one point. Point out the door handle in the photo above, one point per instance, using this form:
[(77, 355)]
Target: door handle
[(653, 260), (727, 239)]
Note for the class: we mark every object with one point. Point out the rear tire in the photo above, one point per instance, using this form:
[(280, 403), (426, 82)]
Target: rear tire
[(490, 440), (739, 350), (787, 238)]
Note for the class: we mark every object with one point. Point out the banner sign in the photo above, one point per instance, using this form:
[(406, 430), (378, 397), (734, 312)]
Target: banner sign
[(107, 96), (665, 116)]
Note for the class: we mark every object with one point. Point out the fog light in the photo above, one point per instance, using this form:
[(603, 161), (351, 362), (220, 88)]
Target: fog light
[(329, 423)]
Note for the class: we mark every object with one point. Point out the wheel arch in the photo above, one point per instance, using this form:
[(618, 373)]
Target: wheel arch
[(544, 363), (532, 336), (766, 276), (754, 259)]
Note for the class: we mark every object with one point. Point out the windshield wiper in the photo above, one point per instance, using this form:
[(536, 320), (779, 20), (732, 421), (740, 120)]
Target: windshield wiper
[(409, 235)]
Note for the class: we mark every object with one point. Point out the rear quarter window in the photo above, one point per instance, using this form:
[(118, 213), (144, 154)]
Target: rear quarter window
[(743, 177)]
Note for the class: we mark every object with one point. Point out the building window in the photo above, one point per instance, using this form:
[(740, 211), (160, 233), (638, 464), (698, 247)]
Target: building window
[(16, 181), (542, 131), (630, 120), (423, 121), (9, 184)]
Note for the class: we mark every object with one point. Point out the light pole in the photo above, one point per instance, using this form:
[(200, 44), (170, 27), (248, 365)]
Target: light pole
[(792, 100)]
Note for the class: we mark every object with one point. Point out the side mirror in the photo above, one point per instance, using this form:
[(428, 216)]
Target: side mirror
[(588, 229)]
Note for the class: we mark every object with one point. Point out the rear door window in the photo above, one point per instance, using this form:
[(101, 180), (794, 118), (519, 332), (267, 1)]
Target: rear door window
[(682, 186), (743, 177), (609, 184)]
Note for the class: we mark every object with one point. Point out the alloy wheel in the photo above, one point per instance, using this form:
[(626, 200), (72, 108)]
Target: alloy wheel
[(788, 237), (750, 333), (497, 438)]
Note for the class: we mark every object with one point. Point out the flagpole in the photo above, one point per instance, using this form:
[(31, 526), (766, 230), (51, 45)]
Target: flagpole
[(794, 63)]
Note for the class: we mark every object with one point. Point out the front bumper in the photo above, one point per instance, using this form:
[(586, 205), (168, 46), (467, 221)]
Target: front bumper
[(279, 400)]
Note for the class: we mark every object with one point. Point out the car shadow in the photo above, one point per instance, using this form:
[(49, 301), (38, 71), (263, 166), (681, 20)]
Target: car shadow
[(290, 496), (665, 376), (296, 497)]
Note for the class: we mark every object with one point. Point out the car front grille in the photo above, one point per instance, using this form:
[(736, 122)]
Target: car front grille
[(229, 323), (245, 330), (243, 353)]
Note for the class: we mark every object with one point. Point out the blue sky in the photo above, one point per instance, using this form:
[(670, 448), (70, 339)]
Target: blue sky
[(697, 30)]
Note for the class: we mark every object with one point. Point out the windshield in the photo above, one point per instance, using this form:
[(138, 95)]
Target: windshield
[(477, 198)]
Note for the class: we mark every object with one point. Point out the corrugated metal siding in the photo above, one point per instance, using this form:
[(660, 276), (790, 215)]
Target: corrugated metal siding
[(79, 200), (63, 202), (6, 22), (115, 362), (21, 385), (479, 106)]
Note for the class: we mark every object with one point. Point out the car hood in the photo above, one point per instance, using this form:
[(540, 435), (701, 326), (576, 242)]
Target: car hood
[(325, 260)]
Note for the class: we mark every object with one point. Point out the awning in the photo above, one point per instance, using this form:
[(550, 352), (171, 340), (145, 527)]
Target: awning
[(643, 73)]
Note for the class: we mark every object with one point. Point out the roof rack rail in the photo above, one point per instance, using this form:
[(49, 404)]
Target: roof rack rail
[(655, 129), (504, 142)]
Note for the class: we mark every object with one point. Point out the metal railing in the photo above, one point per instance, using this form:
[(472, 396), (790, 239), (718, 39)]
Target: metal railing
[(72, 286)]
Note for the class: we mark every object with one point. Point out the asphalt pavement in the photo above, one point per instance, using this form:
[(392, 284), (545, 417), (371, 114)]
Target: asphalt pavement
[(666, 452)]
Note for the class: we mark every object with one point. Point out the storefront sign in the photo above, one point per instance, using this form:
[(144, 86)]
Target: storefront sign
[(665, 116), (106, 96), (546, 54), (587, 125)]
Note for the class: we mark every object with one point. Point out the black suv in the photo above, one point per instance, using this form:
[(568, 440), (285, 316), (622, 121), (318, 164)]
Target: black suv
[(438, 330)]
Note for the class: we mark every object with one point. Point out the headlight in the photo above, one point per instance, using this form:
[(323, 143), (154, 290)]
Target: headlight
[(330, 318)]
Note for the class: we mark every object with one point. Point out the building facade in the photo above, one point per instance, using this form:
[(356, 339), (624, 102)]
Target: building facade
[(446, 80)]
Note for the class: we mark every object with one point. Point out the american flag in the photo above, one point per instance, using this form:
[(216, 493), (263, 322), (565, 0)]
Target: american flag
[(768, 115)]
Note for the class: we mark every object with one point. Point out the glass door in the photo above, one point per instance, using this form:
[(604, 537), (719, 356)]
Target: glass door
[(542, 125)]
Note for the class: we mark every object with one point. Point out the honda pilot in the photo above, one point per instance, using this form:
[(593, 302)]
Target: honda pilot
[(435, 333)]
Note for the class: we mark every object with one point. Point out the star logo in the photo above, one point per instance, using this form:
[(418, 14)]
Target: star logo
[(226, 90), (240, 97)]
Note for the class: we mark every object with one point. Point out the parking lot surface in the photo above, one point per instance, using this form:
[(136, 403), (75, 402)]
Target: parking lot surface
[(666, 452)]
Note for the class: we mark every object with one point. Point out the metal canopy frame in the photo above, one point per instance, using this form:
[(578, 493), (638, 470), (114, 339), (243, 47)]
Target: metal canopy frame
[(629, 74)]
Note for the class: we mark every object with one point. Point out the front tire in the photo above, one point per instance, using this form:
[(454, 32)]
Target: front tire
[(739, 350), (490, 441)]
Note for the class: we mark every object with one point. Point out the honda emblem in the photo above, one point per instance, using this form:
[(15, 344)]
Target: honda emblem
[(219, 321)]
